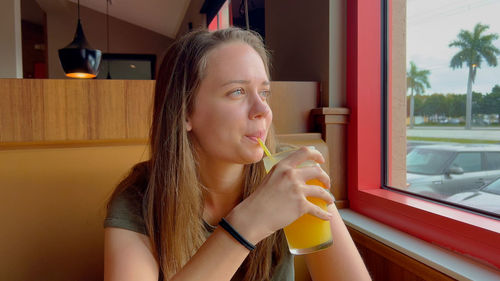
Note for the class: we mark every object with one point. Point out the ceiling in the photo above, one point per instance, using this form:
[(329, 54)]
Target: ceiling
[(161, 16), (30, 11)]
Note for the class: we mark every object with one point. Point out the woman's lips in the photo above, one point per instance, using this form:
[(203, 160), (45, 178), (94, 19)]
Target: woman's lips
[(253, 139), (254, 136)]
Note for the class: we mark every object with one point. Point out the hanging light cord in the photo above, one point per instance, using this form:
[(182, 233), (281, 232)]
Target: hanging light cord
[(246, 15), (107, 25), (107, 34), (78, 9)]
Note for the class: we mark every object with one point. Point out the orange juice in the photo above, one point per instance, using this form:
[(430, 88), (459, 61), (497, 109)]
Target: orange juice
[(308, 233)]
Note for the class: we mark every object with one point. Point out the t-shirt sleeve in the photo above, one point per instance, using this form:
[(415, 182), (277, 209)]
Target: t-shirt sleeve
[(285, 270), (125, 211)]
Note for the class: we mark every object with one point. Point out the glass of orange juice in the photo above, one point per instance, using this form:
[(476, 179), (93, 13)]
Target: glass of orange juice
[(308, 233)]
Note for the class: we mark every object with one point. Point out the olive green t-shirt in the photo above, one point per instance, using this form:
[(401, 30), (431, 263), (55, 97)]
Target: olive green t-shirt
[(126, 209)]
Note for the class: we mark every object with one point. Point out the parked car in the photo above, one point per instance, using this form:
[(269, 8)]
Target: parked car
[(441, 171), (487, 198), (410, 145)]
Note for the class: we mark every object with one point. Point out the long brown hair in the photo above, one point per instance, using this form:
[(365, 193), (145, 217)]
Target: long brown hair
[(173, 198)]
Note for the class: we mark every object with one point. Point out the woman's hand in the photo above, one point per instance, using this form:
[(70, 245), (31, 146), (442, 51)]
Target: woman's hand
[(281, 198)]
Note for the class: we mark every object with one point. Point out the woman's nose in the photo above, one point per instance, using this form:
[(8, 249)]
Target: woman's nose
[(259, 107)]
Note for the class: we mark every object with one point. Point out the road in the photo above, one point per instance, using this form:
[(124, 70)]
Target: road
[(455, 133)]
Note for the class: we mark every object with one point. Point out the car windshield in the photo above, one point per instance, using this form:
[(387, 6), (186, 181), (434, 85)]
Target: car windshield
[(426, 161), (493, 187)]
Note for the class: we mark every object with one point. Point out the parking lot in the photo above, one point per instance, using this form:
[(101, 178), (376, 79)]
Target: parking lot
[(491, 133)]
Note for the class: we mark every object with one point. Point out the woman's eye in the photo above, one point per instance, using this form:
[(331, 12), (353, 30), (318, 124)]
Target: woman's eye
[(265, 94), (236, 93)]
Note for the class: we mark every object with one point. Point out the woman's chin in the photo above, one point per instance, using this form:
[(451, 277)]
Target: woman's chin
[(253, 157)]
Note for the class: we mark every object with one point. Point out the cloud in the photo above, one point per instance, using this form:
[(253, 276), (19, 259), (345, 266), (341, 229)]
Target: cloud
[(433, 24)]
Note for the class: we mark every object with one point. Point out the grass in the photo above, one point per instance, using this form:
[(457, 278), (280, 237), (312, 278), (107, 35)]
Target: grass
[(439, 125), (453, 140), (456, 125)]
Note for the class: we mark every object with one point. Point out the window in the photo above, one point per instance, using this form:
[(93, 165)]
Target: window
[(469, 162), (127, 67), (373, 51), (493, 160), (452, 82), (493, 188), (427, 161)]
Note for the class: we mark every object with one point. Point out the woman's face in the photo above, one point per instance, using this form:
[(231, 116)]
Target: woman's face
[(231, 109)]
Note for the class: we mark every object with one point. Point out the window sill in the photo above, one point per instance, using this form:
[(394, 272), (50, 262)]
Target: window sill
[(445, 261), (459, 231)]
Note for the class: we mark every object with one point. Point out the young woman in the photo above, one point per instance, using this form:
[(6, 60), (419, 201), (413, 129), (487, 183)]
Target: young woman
[(210, 106)]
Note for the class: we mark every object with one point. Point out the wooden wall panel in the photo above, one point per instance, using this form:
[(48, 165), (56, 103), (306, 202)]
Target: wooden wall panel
[(110, 110), (77, 107), (43, 110), (54, 103), (93, 96), (136, 107), (37, 109), (74, 110), (6, 123), (20, 103), (387, 264), (291, 103)]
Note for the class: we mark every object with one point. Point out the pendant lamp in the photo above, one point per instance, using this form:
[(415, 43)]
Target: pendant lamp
[(78, 59)]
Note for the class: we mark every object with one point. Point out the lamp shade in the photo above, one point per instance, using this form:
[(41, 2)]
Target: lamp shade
[(78, 59)]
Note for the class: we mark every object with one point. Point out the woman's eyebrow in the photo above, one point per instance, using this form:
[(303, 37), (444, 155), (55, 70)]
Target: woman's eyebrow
[(265, 83)]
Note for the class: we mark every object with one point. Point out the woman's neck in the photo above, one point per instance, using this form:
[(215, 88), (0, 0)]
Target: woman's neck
[(223, 188)]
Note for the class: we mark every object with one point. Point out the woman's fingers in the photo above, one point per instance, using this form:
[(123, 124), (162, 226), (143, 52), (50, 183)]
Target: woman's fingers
[(314, 173), (318, 192), (289, 187), (301, 155), (318, 212)]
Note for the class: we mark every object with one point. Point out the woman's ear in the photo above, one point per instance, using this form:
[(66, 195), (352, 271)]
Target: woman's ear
[(189, 127)]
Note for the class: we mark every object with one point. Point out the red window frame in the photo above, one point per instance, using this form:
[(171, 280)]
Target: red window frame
[(463, 232), (215, 23)]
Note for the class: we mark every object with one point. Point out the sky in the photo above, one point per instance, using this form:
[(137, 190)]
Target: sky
[(433, 24)]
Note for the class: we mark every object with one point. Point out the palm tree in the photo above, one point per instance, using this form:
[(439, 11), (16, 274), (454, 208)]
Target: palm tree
[(416, 81), (474, 47)]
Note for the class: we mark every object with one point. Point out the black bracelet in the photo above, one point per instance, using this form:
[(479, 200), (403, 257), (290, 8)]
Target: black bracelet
[(236, 235)]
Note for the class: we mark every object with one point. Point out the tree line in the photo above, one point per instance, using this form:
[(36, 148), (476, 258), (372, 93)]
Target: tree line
[(453, 105)]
